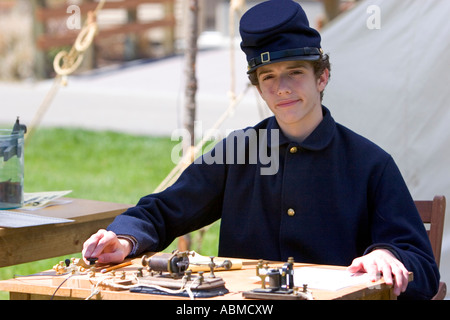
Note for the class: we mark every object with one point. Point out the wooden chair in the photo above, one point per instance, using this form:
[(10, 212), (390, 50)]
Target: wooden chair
[(432, 213)]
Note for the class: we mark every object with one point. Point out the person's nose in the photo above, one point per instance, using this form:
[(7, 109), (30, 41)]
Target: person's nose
[(283, 86)]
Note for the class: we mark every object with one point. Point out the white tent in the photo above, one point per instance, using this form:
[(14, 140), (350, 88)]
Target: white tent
[(390, 79)]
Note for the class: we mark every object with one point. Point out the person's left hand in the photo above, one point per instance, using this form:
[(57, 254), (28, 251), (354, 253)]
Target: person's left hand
[(382, 261)]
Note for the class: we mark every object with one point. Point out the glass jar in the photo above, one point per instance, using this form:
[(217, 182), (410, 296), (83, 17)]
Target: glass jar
[(11, 168)]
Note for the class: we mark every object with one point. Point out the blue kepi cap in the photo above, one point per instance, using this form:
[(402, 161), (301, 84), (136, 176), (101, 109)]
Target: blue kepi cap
[(277, 30)]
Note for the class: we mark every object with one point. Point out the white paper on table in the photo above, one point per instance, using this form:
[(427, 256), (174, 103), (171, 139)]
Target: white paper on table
[(15, 219), (39, 200), (328, 279)]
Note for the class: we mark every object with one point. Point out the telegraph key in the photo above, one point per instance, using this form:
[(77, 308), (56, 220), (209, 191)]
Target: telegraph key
[(277, 284), (169, 274)]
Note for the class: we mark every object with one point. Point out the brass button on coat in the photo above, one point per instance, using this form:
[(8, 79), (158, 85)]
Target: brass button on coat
[(291, 212), (293, 149)]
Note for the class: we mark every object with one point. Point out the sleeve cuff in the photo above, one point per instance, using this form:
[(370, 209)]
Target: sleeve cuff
[(132, 240), (383, 246)]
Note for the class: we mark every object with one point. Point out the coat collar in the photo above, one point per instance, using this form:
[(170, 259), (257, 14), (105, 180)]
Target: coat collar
[(319, 139)]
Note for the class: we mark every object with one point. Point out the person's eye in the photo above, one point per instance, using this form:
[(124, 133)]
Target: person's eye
[(266, 77), (296, 72)]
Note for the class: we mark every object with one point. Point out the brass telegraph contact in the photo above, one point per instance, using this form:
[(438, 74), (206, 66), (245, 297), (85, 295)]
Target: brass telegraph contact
[(175, 263)]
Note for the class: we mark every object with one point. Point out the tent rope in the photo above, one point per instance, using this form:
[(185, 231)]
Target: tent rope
[(188, 158)]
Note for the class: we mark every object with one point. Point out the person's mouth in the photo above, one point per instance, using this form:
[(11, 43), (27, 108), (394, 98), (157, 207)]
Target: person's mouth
[(287, 103)]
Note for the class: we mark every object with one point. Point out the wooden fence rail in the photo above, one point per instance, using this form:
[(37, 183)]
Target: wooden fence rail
[(45, 40)]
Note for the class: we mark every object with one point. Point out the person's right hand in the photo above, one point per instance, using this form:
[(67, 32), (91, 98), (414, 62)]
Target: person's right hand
[(106, 247)]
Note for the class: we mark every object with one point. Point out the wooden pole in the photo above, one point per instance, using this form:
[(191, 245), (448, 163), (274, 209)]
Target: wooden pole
[(184, 242), (191, 79)]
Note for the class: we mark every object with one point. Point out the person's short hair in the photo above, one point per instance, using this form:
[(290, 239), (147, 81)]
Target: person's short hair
[(319, 67)]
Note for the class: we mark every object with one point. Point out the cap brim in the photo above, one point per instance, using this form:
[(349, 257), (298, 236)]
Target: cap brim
[(314, 57)]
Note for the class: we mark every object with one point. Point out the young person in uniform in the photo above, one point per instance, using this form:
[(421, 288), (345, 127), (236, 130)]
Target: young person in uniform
[(297, 184)]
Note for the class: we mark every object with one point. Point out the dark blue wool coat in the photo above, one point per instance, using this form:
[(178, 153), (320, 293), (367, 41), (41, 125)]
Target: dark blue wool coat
[(332, 198)]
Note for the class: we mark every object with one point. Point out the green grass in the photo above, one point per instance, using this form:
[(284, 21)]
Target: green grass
[(105, 166)]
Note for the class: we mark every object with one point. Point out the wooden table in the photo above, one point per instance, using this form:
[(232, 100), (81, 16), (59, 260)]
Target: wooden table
[(19, 245), (236, 281)]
